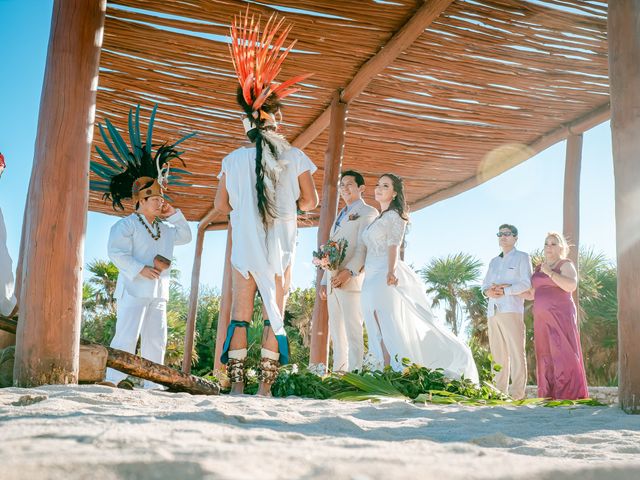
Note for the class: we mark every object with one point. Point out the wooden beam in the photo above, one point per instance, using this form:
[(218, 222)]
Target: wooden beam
[(208, 218), (401, 41), (516, 155), (319, 354), (624, 72), (193, 302), (224, 317), (571, 203), (48, 336)]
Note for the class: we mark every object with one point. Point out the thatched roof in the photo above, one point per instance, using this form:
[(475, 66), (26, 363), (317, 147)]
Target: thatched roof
[(487, 84)]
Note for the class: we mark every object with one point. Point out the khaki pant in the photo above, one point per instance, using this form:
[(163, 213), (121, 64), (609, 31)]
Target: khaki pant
[(345, 327), (507, 341)]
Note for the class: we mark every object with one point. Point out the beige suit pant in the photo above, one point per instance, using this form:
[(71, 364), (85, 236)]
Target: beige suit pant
[(345, 328), (507, 344)]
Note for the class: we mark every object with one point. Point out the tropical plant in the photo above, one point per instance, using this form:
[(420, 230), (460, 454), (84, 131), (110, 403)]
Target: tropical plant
[(206, 331), (476, 306), (103, 281), (449, 279), (599, 318), (299, 311)]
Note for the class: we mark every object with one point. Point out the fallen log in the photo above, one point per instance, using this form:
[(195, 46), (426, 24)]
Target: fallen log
[(131, 364), (8, 324)]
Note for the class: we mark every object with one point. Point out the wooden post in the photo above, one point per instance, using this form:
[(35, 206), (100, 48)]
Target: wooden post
[(193, 302), (624, 72), (319, 354), (224, 317), (571, 210), (48, 336)]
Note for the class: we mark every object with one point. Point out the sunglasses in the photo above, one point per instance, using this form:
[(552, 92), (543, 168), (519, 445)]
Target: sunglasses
[(505, 234)]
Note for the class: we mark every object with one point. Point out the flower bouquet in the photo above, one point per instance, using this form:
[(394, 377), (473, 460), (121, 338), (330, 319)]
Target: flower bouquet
[(331, 254)]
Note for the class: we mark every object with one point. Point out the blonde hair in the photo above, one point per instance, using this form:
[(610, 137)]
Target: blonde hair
[(564, 245)]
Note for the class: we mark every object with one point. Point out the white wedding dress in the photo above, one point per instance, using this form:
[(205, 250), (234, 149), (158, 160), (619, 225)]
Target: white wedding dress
[(399, 316)]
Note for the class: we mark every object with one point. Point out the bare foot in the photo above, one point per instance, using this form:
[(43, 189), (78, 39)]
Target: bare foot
[(264, 390), (237, 388)]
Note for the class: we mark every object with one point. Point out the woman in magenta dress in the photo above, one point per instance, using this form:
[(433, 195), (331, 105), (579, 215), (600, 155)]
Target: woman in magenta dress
[(560, 369)]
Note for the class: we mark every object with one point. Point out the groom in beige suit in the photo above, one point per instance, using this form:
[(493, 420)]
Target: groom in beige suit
[(342, 287)]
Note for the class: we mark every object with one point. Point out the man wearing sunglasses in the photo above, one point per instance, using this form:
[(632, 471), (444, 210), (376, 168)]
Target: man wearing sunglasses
[(509, 275)]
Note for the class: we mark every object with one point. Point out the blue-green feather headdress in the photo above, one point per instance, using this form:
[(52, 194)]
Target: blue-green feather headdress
[(127, 164)]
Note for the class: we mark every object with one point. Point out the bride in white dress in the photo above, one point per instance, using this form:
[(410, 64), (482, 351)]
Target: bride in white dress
[(394, 303)]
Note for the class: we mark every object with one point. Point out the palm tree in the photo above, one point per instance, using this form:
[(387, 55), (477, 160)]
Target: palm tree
[(476, 306), (450, 278), (599, 317), (105, 276)]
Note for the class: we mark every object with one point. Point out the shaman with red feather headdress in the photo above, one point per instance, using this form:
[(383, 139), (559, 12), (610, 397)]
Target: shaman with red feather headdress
[(261, 188), (257, 58)]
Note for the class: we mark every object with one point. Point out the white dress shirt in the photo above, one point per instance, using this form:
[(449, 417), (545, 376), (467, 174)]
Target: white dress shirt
[(131, 248), (513, 269)]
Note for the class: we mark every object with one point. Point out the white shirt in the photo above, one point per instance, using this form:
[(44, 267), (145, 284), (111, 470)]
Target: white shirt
[(513, 269), (131, 248)]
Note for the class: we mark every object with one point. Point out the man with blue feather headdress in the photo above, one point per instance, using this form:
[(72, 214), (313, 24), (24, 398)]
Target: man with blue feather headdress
[(141, 244)]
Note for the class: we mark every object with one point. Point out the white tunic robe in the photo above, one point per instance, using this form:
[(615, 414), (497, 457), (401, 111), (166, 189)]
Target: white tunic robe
[(263, 254)]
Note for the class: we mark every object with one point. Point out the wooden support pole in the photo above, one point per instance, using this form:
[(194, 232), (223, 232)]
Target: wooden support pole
[(319, 354), (224, 317), (571, 209), (401, 41), (193, 302), (48, 336), (624, 78)]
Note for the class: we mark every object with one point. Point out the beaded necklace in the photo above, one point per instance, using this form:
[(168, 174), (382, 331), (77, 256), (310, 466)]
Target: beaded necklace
[(156, 225)]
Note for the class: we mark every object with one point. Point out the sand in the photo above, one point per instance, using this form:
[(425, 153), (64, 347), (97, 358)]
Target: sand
[(73, 432)]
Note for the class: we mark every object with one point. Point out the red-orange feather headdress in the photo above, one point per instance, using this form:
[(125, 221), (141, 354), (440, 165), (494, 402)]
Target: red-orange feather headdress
[(257, 58)]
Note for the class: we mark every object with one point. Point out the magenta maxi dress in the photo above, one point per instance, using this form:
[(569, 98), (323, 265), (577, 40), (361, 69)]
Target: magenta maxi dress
[(559, 365)]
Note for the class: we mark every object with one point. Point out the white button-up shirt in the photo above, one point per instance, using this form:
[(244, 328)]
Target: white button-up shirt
[(514, 270), (131, 248)]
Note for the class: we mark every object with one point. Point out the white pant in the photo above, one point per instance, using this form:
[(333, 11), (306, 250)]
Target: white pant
[(345, 327), (507, 334), (145, 318)]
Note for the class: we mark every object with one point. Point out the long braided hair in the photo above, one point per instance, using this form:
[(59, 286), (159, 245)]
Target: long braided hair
[(263, 136)]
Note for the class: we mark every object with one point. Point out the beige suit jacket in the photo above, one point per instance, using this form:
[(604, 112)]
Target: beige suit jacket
[(351, 228)]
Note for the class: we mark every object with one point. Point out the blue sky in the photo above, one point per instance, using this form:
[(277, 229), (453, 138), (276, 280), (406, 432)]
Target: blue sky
[(529, 196)]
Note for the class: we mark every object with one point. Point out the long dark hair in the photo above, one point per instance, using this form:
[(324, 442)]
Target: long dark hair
[(399, 204), (272, 106)]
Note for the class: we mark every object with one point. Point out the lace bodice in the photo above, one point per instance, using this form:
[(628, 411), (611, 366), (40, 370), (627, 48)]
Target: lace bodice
[(384, 232)]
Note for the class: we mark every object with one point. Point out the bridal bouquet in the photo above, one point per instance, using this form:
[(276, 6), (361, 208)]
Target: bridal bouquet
[(331, 254)]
